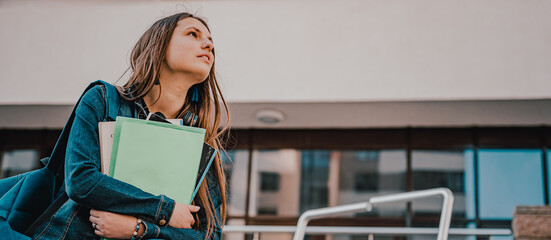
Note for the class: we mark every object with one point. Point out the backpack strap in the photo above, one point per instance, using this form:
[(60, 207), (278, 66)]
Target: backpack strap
[(112, 104), (112, 101)]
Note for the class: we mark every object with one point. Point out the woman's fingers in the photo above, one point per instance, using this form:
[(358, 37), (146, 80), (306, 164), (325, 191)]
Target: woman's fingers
[(98, 233), (97, 213), (193, 208), (94, 219), (182, 215), (97, 229)]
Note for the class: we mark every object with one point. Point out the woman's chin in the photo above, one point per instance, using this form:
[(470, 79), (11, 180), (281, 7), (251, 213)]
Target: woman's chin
[(199, 72), (200, 77)]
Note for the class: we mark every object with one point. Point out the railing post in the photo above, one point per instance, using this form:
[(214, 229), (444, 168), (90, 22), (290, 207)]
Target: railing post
[(327, 212), (447, 205)]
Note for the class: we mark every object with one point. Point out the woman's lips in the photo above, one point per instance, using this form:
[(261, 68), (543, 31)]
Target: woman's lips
[(205, 57)]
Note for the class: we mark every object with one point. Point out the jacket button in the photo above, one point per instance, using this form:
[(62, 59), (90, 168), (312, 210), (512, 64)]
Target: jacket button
[(162, 222)]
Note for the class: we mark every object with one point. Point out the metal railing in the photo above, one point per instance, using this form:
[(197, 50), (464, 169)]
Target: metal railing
[(445, 216), (442, 231), (255, 229)]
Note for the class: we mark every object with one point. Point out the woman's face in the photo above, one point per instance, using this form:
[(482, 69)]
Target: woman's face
[(190, 50)]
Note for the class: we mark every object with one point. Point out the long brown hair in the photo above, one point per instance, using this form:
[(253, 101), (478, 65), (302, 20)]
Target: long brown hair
[(145, 64)]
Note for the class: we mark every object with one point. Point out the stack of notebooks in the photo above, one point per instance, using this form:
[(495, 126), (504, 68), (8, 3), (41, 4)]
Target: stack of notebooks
[(157, 157)]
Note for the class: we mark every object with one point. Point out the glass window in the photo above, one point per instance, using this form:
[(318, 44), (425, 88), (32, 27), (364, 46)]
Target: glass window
[(363, 174), (435, 169), (236, 168), (275, 183), (18, 161), (470, 210), (549, 173), (269, 182), (507, 178), (314, 189), (287, 182)]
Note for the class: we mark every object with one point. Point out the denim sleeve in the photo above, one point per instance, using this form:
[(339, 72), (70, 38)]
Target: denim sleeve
[(86, 185), (154, 231)]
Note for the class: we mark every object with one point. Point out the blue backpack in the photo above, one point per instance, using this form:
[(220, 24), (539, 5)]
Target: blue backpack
[(28, 200)]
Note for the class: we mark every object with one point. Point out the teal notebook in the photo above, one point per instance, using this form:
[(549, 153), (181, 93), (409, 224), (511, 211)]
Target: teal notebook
[(159, 158)]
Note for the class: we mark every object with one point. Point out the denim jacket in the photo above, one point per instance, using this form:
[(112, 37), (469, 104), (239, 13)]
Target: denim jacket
[(88, 188)]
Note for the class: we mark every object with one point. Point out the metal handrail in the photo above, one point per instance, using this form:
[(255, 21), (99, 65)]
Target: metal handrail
[(327, 212), (367, 230), (445, 217)]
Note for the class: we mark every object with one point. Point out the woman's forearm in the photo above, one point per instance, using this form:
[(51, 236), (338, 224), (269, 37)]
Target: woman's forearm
[(86, 185), (154, 231)]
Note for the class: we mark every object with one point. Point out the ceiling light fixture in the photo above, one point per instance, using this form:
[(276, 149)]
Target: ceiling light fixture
[(269, 116)]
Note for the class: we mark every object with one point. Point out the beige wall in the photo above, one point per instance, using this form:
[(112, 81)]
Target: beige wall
[(292, 51)]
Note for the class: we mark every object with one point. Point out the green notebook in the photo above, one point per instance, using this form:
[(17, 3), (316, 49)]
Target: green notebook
[(159, 158)]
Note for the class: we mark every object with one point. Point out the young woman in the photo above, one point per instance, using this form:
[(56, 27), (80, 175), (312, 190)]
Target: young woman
[(172, 75)]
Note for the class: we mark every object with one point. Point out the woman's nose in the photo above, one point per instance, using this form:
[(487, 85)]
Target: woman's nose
[(207, 44)]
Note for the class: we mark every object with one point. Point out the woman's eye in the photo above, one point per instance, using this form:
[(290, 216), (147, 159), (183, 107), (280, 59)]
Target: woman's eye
[(192, 34)]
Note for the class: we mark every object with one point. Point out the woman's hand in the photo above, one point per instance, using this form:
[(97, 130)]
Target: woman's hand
[(182, 217), (112, 225)]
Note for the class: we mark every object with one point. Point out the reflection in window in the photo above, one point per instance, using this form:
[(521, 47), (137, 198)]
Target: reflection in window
[(235, 167), (288, 182), (508, 177), (366, 156), (363, 174), (434, 179), (267, 211), (18, 161), (549, 172), (269, 182), (266, 165), (435, 169), (314, 176), (366, 182)]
